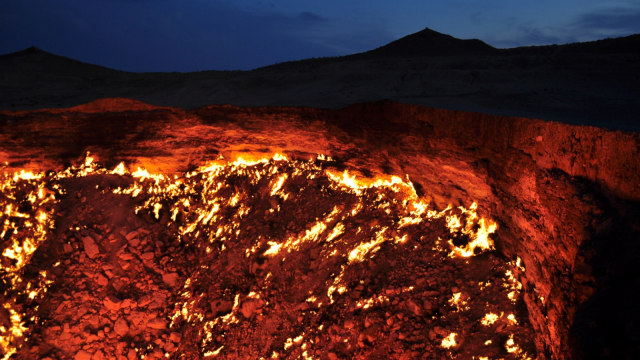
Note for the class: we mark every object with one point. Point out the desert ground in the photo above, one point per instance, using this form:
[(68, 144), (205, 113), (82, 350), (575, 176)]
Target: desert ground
[(432, 198), (594, 83)]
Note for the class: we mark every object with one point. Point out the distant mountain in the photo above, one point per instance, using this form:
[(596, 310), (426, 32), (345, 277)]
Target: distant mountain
[(35, 59), (627, 44), (594, 83), (431, 43), (34, 78)]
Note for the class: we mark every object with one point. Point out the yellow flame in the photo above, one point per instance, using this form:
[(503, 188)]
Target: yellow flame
[(479, 239), (15, 331), (510, 345), (119, 170), (489, 319), (360, 251), (357, 185), (204, 219), (144, 174), (273, 249), (278, 184), (26, 175), (449, 341)]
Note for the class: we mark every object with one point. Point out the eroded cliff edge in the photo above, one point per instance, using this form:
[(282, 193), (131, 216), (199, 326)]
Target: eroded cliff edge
[(565, 197)]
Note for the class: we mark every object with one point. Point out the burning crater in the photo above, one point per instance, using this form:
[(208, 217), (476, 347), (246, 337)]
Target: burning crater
[(376, 231)]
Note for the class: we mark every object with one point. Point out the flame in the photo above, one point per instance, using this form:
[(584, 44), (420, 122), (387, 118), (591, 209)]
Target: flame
[(26, 175), (489, 319), (510, 345), (337, 231), (359, 253), (120, 169), (144, 174), (15, 332), (278, 184), (358, 185), (204, 204), (273, 249), (479, 239), (513, 285), (449, 341)]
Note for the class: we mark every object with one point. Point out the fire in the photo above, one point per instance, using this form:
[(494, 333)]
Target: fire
[(355, 222), (278, 184), (144, 174), (513, 285), (479, 239), (359, 253), (358, 185), (489, 319), (449, 341), (120, 169), (274, 248), (26, 175), (25, 219), (511, 346), (337, 231)]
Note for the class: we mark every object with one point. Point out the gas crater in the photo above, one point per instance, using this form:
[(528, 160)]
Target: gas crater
[(380, 230)]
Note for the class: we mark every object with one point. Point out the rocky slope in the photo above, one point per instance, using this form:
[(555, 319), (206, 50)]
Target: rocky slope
[(565, 200)]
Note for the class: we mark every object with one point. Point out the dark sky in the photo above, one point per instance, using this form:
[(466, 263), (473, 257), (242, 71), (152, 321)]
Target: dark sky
[(190, 35)]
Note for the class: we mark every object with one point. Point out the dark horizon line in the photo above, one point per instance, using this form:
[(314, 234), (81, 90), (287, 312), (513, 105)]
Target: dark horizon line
[(426, 29)]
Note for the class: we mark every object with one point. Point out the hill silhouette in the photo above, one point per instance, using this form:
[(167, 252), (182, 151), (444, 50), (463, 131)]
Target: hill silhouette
[(428, 42), (39, 60)]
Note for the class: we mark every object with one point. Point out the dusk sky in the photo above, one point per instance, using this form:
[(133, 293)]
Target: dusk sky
[(191, 35)]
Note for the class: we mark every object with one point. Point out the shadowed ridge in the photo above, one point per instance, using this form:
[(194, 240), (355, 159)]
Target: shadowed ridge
[(34, 78), (621, 45), (430, 43), (627, 44), (32, 50), (36, 59)]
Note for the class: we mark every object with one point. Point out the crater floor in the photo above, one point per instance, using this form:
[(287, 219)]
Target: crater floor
[(272, 258)]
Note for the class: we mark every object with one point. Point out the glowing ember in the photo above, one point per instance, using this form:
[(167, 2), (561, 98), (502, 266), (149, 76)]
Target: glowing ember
[(362, 250), (489, 319), (473, 241), (449, 341), (511, 345)]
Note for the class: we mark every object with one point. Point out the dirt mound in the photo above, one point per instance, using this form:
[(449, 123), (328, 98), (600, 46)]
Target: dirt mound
[(112, 105), (99, 106)]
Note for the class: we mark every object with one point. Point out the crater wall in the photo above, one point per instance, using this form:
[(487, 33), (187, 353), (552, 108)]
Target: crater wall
[(566, 198)]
